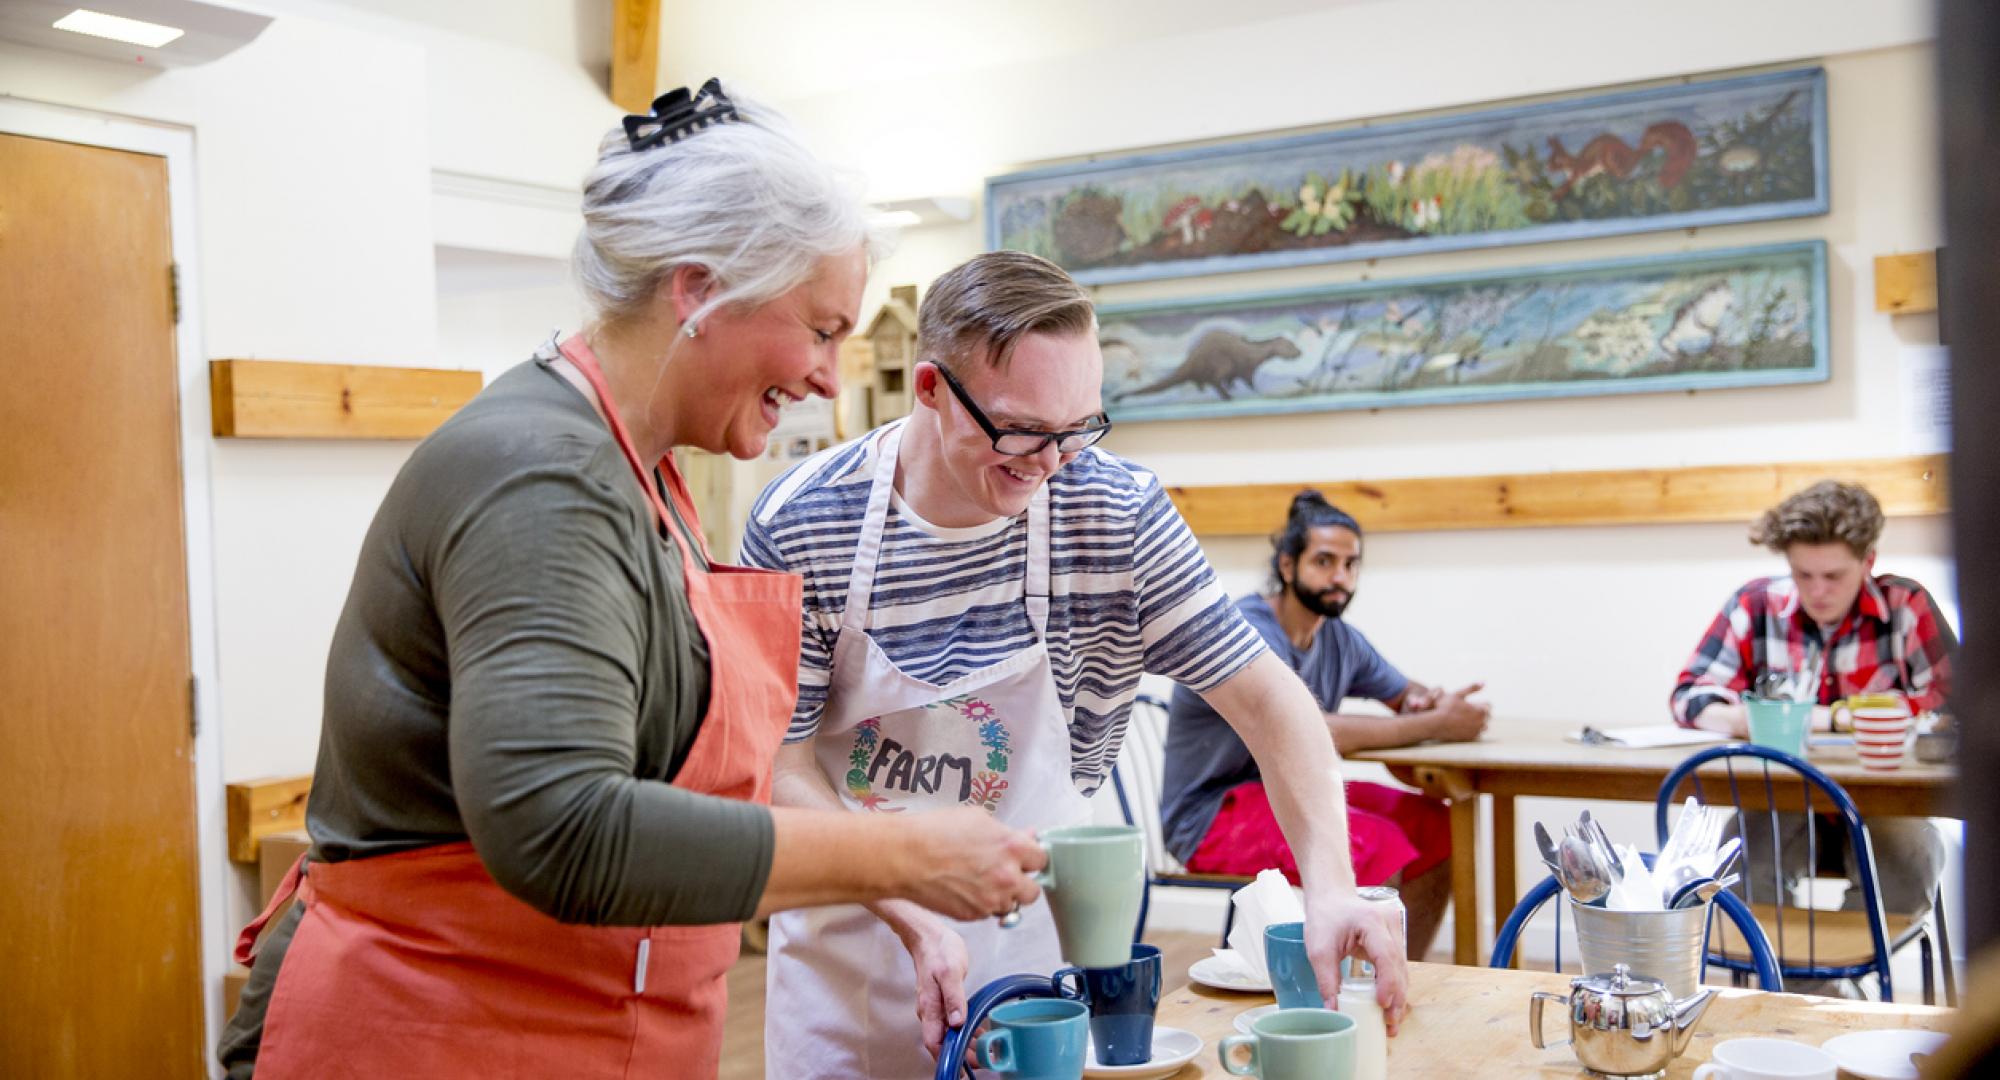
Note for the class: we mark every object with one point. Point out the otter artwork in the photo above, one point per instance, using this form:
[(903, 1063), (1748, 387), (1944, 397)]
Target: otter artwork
[(1220, 359)]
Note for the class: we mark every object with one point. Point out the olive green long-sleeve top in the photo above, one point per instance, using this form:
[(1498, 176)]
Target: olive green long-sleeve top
[(517, 665)]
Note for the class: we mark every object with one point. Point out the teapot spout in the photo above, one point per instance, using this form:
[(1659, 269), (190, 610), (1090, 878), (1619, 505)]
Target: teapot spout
[(1687, 1014)]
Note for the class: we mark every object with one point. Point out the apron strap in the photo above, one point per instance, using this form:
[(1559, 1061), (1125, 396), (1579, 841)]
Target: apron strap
[(686, 539), (1038, 560), (874, 522), (246, 942), (861, 580)]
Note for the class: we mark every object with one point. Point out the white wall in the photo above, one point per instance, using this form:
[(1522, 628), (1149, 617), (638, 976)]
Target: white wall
[(1565, 625), (1585, 624), (320, 149), (316, 149)]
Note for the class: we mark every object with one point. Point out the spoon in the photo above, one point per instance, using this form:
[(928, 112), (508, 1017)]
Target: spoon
[(1583, 874), (1701, 891), (1548, 848)]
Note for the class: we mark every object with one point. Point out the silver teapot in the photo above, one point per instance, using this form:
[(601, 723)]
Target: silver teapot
[(1622, 1024)]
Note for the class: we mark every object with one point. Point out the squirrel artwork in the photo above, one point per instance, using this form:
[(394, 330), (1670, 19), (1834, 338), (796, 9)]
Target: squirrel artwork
[(1612, 155)]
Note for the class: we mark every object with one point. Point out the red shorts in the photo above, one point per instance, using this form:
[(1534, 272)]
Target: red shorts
[(1389, 831)]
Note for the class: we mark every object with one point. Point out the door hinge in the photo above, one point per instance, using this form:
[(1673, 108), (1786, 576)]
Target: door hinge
[(194, 708), (174, 290)]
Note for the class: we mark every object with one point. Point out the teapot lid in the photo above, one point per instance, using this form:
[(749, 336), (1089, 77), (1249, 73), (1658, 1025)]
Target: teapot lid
[(1619, 981)]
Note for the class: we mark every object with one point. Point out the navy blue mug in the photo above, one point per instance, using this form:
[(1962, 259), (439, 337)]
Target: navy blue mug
[(1122, 1002)]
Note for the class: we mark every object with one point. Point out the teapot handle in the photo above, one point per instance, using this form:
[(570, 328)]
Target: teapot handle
[(1535, 1017)]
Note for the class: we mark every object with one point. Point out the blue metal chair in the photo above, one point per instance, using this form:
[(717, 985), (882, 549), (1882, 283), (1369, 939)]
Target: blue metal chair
[(1808, 780), (1762, 960), (951, 1057), (1145, 735)]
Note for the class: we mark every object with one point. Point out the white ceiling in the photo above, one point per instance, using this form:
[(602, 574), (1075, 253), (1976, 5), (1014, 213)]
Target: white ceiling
[(788, 49)]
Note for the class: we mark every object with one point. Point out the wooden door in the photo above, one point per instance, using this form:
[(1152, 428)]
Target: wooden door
[(99, 919)]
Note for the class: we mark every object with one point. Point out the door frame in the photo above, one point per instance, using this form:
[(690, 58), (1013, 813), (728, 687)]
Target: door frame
[(176, 144)]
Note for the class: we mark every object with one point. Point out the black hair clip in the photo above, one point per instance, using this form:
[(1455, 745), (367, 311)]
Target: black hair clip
[(677, 114)]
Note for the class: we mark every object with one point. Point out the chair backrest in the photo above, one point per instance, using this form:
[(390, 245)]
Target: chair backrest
[(1747, 778), (1137, 778), (951, 1056), (1762, 960)]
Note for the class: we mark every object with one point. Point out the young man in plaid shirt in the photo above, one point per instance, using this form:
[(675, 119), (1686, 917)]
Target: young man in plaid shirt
[(1842, 629)]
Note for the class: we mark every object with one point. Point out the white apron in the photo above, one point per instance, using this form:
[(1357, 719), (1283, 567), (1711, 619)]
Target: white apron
[(841, 999)]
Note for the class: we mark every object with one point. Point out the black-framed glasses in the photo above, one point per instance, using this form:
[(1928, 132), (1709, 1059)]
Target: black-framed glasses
[(1015, 442)]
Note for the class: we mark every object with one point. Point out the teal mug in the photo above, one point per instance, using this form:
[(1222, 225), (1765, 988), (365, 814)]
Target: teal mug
[(1780, 725), (1292, 976), (1094, 883), (1037, 1039), (1294, 1044)]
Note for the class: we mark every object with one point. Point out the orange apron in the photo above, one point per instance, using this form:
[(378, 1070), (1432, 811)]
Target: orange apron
[(418, 964)]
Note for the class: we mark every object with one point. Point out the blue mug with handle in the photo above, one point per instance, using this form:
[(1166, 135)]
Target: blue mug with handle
[(1122, 1000), (1036, 1039), (1292, 976)]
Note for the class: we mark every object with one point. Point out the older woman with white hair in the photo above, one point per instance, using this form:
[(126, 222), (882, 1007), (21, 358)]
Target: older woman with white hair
[(541, 802)]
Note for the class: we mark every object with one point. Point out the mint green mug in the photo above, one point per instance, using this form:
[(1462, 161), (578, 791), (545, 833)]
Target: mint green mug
[(1095, 881), (1294, 1044), (1780, 725)]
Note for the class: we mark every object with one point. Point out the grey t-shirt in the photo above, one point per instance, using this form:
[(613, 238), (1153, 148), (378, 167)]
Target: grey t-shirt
[(517, 665), (1204, 756)]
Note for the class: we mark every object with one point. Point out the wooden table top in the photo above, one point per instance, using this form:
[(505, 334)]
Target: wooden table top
[(1514, 745), (1467, 1016)]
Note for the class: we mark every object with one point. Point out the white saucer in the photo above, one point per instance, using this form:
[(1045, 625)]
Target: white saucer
[(1210, 972), (1250, 1016), (1172, 1048), (1882, 1055)]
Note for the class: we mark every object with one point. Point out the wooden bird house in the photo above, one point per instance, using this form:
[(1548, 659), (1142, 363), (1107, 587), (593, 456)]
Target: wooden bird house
[(893, 336)]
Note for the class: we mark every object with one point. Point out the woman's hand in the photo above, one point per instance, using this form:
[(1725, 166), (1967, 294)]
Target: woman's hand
[(964, 864), (1341, 925)]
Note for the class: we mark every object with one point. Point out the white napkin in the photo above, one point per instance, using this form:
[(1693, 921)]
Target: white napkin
[(1267, 900), (1635, 891)]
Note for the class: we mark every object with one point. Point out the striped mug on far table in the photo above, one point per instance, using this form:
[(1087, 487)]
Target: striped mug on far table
[(1882, 725)]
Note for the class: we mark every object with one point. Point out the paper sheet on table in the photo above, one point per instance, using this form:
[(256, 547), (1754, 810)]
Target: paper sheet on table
[(1648, 736)]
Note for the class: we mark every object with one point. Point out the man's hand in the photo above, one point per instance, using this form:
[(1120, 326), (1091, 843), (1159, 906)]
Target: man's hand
[(1732, 720), (1455, 719), (940, 958), (1420, 699), (1342, 925)]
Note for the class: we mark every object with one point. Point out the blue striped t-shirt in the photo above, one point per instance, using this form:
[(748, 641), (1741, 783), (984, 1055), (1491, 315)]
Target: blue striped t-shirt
[(1130, 590)]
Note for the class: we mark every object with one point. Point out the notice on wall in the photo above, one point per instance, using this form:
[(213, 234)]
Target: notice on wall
[(804, 428), (1926, 378)]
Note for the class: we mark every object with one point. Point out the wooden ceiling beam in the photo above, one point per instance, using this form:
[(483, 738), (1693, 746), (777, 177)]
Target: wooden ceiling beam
[(635, 53)]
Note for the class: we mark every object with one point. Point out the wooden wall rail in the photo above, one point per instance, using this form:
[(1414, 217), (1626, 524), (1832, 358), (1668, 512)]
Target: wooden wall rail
[(1906, 486), (283, 399), (1905, 284), (259, 808)]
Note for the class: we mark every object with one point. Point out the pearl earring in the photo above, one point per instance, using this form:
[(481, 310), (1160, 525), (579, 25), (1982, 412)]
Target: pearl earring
[(692, 330)]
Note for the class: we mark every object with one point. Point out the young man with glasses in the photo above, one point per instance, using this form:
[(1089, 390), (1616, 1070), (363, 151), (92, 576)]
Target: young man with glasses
[(983, 588)]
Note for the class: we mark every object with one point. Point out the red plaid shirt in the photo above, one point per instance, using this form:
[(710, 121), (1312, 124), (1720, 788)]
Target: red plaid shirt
[(1893, 639)]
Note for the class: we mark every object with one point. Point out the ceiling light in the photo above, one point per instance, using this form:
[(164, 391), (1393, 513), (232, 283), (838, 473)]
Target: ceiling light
[(117, 28), (901, 219)]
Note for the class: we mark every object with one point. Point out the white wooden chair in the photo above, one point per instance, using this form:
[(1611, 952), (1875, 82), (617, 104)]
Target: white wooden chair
[(1136, 779)]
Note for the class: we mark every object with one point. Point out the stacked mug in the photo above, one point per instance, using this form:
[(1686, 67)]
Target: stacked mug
[(1882, 725)]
